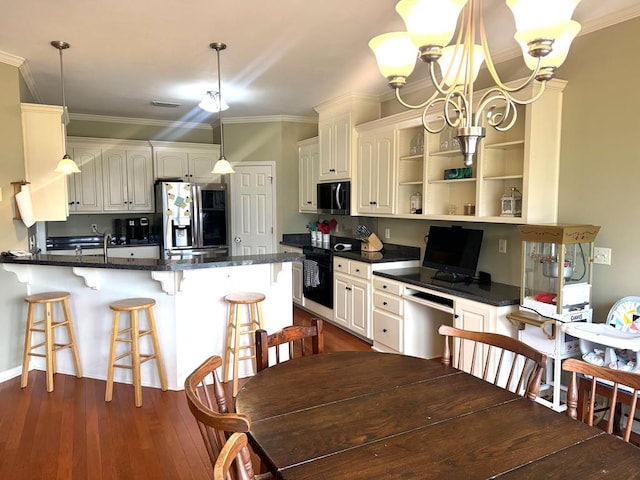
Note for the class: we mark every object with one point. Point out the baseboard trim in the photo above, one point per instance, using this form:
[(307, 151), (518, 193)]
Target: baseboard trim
[(9, 374)]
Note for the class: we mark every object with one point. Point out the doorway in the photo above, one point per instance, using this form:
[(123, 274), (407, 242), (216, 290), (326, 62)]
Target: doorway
[(253, 208)]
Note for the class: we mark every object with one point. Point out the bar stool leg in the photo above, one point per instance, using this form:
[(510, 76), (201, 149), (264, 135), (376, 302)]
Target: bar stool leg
[(156, 349), (236, 351), (48, 339), (72, 337), (227, 348), (112, 356), (135, 358), (27, 347)]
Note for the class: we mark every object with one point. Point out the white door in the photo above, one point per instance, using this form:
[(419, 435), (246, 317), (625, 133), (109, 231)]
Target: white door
[(252, 209)]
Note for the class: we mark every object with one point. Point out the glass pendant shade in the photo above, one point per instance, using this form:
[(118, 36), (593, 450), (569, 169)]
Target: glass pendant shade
[(560, 50), (212, 102), (67, 166), (396, 54), (430, 22), (222, 167), (541, 19), (453, 73)]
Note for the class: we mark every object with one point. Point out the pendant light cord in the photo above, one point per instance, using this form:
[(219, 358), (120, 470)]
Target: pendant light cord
[(220, 108)]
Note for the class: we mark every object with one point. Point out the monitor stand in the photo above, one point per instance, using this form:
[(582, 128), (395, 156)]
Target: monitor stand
[(452, 277)]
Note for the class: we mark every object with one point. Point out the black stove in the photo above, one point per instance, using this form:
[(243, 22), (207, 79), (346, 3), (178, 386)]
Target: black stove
[(318, 269)]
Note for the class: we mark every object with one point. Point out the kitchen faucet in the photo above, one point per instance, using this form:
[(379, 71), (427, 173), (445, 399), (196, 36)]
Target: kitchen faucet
[(106, 238)]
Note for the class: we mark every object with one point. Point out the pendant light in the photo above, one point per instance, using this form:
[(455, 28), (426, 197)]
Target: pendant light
[(222, 166), (66, 165), (212, 102)]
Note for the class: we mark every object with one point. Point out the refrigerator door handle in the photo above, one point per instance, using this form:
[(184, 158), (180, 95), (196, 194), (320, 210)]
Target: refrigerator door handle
[(197, 220)]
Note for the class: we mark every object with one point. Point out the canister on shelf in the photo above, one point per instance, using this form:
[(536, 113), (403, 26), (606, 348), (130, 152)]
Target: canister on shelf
[(416, 203), (511, 203)]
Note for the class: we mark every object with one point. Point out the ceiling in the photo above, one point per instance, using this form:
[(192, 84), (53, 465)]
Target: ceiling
[(283, 56)]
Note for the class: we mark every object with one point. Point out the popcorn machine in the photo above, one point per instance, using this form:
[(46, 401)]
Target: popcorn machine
[(557, 273)]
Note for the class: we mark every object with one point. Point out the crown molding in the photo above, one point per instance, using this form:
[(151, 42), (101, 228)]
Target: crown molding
[(10, 59), (270, 119), (138, 121)]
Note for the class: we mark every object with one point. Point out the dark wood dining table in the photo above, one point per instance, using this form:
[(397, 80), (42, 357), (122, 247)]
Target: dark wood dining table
[(370, 415)]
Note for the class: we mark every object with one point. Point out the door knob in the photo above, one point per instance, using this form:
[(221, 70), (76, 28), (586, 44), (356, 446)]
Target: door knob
[(237, 239)]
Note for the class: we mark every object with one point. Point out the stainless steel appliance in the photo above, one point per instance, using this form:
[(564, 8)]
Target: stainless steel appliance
[(191, 219), (334, 198)]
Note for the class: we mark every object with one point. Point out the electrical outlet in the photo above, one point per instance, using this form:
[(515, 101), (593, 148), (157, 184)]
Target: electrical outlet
[(387, 233), (602, 255), (94, 227), (502, 246)]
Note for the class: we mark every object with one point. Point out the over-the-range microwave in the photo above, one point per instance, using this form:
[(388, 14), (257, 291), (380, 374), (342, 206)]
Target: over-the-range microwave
[(334, 198)]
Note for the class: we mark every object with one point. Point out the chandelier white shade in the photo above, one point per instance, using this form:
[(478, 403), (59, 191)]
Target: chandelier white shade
[(451, 34), (212, 102), (66, 165)]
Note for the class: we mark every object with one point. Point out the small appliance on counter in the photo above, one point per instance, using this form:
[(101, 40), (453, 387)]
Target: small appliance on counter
[(137, 230), (370, 241)]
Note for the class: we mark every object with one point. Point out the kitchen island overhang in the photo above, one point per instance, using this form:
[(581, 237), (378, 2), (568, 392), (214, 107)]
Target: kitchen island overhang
[(191, 313)]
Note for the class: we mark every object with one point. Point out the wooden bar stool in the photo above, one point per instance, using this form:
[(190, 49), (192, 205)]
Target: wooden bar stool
[(236, 328), (47, 326), (131, 335)]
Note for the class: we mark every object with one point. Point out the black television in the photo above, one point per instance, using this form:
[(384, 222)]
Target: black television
[(453, 252)]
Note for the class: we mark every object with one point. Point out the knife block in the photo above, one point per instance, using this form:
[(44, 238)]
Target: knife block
[(372, 244)]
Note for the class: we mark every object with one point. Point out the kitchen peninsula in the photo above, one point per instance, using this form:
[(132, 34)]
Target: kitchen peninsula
[(190, 310)]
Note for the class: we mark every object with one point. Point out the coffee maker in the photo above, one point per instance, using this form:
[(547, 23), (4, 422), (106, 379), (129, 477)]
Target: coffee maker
[(119, 235), (137, 230)]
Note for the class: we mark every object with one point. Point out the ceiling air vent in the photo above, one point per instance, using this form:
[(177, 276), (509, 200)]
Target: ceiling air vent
[(159, 103)]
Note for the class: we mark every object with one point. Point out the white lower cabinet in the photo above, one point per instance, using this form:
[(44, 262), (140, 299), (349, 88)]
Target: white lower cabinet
[(388, 315), (297, 279), (352, 295), (405, 323)]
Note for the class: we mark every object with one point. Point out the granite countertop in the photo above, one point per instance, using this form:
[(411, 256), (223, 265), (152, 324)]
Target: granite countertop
[(497, 294), (202, 261), (389, 253)]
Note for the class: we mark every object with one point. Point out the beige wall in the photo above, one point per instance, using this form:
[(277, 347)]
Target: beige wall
[(13, 234)]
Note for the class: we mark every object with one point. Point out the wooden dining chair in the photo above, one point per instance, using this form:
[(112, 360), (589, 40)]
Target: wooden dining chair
[(210, 407), (294, 336), (235, 452), (504, 361), (613, 381)]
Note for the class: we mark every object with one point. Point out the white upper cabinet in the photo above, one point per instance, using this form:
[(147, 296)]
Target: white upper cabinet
[(128, 180), (336, 130), (431, 169), (308, 158), (191, 162), (375, 178), (85, 187), (43, 142), (115, 176)]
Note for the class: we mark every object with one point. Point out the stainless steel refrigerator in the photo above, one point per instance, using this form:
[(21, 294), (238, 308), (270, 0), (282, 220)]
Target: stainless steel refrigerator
[(191, 219)]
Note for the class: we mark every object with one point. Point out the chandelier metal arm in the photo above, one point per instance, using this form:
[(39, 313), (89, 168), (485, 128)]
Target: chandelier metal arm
[(492, 69), (414, 107)]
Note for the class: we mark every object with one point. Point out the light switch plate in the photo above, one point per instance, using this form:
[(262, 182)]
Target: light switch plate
[(602, 255)]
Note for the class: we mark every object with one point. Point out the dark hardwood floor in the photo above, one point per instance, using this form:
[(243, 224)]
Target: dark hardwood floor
[(72, 433)]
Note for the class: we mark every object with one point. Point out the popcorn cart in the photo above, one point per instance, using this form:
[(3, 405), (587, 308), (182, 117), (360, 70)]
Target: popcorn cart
[(555, 290)]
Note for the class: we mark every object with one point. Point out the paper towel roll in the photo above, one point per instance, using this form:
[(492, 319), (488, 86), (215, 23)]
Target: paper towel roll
[(23, 201)]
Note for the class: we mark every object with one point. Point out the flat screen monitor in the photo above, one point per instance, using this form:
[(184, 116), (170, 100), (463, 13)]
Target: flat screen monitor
[(453, 252)]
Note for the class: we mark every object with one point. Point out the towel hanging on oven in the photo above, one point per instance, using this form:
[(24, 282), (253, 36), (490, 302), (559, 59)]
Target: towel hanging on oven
[(311, 273)]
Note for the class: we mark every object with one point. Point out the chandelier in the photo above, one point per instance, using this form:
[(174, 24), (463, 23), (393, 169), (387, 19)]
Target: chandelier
[(66, 164), (222, 166), (544, 32)]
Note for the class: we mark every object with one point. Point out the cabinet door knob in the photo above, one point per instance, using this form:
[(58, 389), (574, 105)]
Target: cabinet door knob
[(384, 303), (384, 287), (384, 330), (357, 270)]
